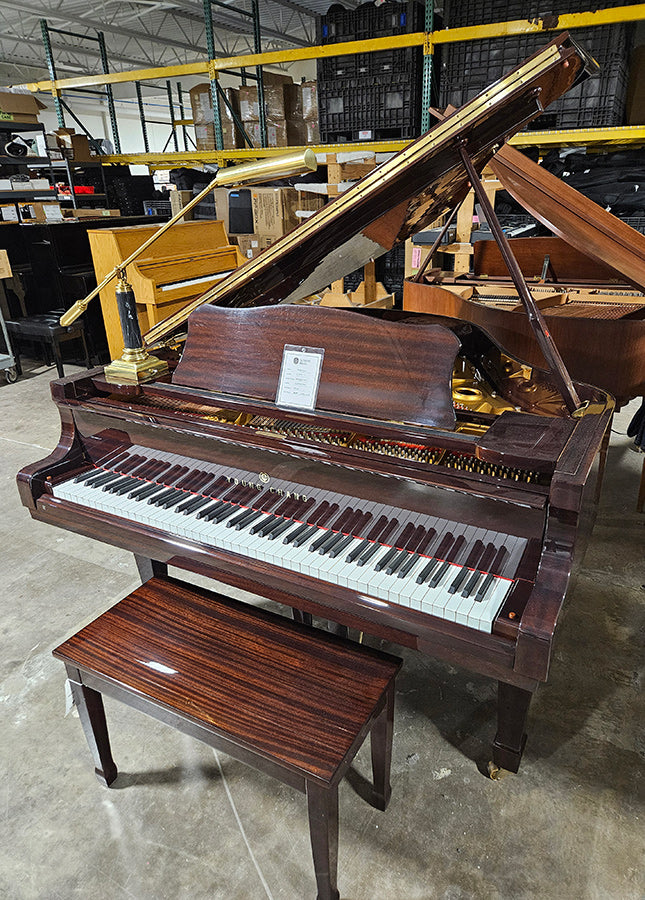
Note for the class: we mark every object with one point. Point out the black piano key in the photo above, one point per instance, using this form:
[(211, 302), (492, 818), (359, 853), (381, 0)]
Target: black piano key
[(329, 531), (158, 499), (436, 578), (457, 582), (356, 552), (206, 511), (120, 484), (385, 559), (175, 498), (84, 475), (239, 518), (280, 529), (329, 545), (193, 504), (398, 560), (294, 535), (484, 588), (470, 584), (309, 532), (369, 553), (103, 478), (483, 565), (408, 565), (144, 490), (240, 522), (416, 535), (227, 510), (339, 548), (427, 571)]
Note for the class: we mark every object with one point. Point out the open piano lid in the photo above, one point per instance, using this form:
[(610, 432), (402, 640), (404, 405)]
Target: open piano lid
[(400, 197)]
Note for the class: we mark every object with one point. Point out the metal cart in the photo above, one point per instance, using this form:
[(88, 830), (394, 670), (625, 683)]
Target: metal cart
[(7, 360)]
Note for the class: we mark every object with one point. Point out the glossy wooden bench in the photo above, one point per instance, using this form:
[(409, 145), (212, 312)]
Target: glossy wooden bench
[(290, 700)]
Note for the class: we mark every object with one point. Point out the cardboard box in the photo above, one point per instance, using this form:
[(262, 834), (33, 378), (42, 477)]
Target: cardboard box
[(8, 212), (75, 146), (276, 133), (46, 212), (89, 213), (5, 184), (205, 136), (39, 184), (251, 245), (275, 102), (5, 267), (296, 132), (309, 95), (313, 131), (17, 107), (293, 101), (274, 209), (178, 199)]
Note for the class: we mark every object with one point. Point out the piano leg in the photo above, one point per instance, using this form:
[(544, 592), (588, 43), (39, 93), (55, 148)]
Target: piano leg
[(92, 715), (512, 709), (304, 618), (150, 568)]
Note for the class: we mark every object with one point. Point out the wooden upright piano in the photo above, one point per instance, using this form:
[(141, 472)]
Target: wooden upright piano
[(385, 502), (181, 265)]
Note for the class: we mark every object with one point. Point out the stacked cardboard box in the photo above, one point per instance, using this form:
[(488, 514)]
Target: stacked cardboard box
[(309, 93), (201, 103), (276, 105), (74, 146), (18, 107)]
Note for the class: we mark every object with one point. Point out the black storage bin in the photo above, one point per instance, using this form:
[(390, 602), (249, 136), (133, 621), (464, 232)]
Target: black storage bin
[(370, 95)]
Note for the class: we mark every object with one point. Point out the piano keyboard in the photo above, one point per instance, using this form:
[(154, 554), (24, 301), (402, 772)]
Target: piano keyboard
[(457, 572)]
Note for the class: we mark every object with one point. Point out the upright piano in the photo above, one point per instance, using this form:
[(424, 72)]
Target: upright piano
[(397, 474)]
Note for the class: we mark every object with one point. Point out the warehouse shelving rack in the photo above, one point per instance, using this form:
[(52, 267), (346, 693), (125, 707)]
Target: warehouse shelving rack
[(428, 40)]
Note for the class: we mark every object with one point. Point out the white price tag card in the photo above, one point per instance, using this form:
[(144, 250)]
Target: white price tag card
[(299, 376)]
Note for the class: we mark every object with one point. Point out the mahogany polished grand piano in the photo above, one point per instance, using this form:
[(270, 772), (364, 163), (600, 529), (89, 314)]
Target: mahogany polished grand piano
[(435, 492)]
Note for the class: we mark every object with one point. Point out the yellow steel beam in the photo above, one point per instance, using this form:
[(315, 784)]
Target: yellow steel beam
[(628, 134), (577, 137), (449, 35)]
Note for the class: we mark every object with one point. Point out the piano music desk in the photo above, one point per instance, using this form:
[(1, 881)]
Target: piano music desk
[(292, 701)]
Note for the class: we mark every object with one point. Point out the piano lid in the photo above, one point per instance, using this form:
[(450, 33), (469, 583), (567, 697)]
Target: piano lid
[(400, 197), (575, 218)]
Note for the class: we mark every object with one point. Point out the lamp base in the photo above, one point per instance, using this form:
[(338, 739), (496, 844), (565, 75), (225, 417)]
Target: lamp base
[(135, 367)]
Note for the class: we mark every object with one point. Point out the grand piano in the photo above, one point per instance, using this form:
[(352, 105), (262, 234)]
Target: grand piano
[(396, 474)]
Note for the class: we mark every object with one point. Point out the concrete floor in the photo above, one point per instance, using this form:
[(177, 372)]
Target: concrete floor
[(182, 822)]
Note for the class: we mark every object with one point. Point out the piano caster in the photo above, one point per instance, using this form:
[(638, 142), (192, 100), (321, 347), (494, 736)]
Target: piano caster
[(495, 772)]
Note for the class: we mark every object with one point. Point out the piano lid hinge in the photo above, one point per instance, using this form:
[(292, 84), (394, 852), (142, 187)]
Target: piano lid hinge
[(588, 408)]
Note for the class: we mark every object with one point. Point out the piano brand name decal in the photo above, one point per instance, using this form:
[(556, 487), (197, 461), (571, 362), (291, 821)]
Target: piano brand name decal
[(261, 486)]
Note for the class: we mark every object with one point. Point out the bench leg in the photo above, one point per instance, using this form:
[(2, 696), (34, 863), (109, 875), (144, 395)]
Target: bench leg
[(92, 715), (150, 568), (381, 747), (58, 359), (322, 803)]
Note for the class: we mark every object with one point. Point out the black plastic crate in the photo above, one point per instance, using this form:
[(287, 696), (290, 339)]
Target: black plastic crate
[(468, 67), (407, 61), (369, 21), (387, 106), (458, 13)]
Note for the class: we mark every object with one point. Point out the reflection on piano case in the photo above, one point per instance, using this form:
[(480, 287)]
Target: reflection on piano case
[(440, 493)]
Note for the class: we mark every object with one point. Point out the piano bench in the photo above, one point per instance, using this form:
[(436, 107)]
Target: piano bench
[(46, 330), (290, 700)]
